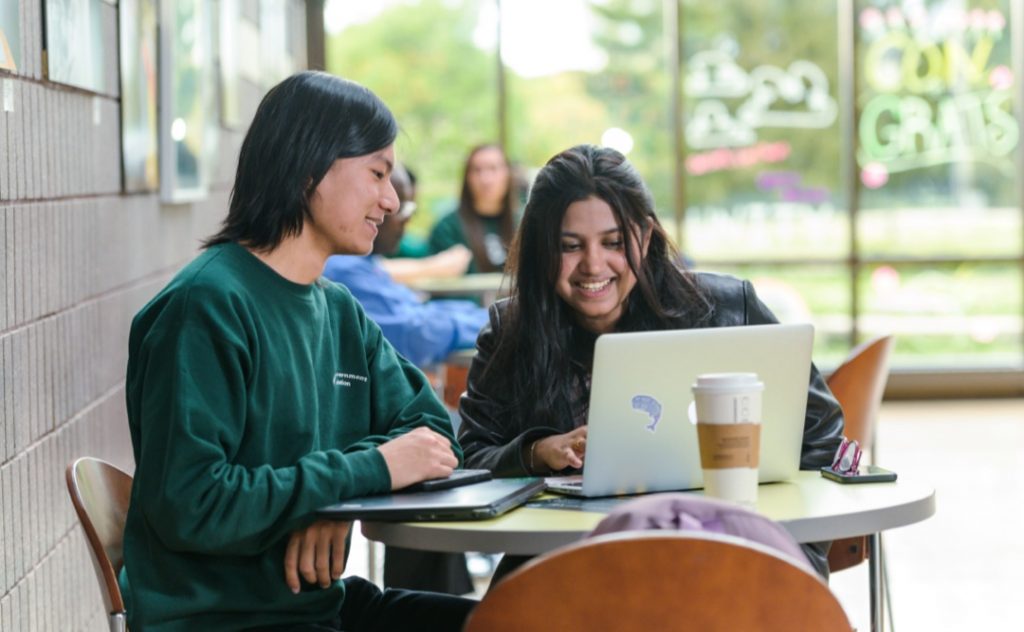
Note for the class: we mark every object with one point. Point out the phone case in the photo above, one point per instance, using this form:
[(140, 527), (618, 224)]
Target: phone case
[(869, 474), (457, 479)]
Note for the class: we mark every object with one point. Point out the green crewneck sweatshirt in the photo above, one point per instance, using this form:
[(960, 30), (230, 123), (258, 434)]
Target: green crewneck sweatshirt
[(252, 401)]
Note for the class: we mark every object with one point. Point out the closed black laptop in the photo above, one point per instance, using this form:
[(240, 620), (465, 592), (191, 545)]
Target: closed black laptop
[(469, 502)]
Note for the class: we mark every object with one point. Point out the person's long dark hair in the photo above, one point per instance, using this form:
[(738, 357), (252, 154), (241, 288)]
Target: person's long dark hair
[(473, 223), (542, 353), (301, 127)]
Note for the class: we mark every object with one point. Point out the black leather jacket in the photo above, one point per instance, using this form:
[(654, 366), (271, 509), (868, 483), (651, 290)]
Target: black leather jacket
[(491, 439)]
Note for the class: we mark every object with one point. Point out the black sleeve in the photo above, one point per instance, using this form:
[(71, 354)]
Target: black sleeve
[(489, 435)]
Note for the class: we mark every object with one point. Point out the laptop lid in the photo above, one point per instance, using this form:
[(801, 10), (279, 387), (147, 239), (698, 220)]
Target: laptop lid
[(642, 436), (469, 502)]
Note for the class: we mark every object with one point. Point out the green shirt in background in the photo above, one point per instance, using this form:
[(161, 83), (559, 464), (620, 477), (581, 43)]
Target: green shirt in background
[(448, 232), (252, 401)]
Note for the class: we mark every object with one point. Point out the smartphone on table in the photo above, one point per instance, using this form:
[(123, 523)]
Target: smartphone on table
[(864, 474)]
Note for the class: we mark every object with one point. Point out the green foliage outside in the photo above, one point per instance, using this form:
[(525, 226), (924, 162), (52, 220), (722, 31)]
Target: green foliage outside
[(421, 60)]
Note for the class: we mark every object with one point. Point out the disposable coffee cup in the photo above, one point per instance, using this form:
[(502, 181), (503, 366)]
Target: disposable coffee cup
[(728, 407)]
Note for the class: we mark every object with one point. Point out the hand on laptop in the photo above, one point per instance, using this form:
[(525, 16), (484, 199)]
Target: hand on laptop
[(317, 553), (417, 456), (558, 452)]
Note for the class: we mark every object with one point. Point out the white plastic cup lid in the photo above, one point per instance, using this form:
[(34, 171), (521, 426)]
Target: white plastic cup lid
[(728, 382)]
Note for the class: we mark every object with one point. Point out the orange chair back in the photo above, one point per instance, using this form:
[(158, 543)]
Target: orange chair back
[(858, 385), (100, 493), (665, 581)]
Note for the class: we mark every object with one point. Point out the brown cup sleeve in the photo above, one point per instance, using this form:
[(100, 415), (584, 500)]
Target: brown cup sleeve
[(729, 445)]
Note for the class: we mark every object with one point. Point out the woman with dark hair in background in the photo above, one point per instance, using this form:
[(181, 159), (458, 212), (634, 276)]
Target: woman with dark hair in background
[(590, 258), (485, 219)]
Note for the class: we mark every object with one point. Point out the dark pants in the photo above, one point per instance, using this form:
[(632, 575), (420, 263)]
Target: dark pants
[(426, 570), (368, 609)]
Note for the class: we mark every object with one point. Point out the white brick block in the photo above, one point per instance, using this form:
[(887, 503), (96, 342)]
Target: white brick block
[(7, 216), (15, 225), (29, 587), (7, 383), (18, 558), (37, 380), (6, 543), (5, 157), (58, 490), (39, 94), (30, 361), (4, 419), (29, 247), (19, 390), (30, 129), (50, 356), (32, 508), (10, 506), (85, 175), (62, 374), (43, 289), (16, 141), (45, 139)]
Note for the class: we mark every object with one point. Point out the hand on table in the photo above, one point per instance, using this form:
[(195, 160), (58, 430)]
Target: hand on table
[(418, 455), (558, 452), (317, 553)]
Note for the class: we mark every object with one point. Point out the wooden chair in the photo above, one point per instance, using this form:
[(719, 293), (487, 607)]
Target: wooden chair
[(660, 580), (100, 493), (858, 384)]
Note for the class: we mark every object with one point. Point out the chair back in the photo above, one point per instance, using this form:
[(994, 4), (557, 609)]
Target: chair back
[(100, 493), (660, 580), (858, 384), (456, 375)]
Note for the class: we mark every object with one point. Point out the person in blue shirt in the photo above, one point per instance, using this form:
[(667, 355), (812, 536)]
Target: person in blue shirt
[(425, 332)]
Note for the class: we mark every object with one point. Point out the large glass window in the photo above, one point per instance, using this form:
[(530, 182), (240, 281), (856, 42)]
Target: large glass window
[(761, 133), (860, 161), (938, 171), (762, 141)]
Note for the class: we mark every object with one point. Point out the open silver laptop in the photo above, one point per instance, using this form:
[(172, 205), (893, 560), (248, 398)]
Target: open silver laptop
[(641, 434)]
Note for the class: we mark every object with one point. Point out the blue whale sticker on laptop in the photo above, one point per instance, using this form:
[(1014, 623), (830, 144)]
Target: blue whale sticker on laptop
[(650, 406)]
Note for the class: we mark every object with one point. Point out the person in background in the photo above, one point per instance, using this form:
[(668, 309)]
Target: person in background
[(485, 219), (425, 332), (258, 392), (408, 262), (591, 257), (415, 246)]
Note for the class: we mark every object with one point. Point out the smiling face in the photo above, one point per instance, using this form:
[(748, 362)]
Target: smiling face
[(350, 203), (594, 277)]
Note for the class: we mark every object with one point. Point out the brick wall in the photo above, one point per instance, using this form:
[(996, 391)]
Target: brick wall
[(77, 259)]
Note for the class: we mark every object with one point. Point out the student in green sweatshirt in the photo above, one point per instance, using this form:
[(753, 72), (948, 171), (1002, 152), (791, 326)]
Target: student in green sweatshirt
[(258, 391)]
